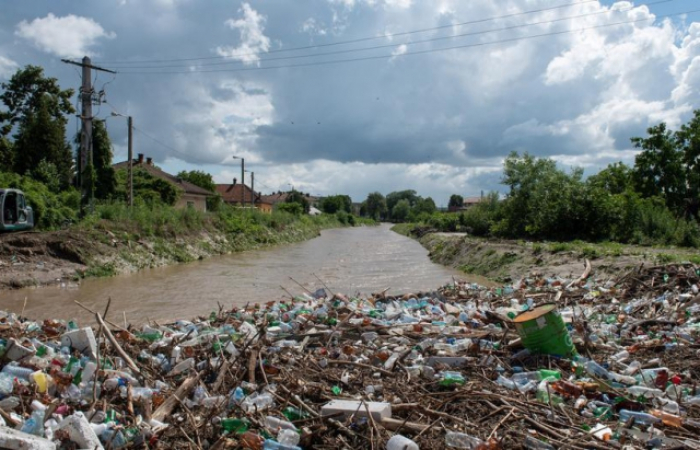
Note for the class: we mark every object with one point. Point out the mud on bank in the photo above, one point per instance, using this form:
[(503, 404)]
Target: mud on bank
[(66, 256), (507, 260)]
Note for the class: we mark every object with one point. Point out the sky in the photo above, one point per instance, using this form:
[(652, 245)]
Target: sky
[(356, 96)]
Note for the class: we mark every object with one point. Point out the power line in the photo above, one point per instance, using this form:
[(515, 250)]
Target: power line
[(417, 52), (362, 39), (441, 38)]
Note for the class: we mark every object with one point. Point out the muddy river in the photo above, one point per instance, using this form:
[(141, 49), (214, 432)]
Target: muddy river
[(349, 260)]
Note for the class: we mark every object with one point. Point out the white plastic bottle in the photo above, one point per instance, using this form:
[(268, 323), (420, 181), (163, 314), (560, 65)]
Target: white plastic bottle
[(398, 442)]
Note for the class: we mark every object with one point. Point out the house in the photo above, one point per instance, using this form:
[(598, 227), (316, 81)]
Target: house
[(281, 197), (241, 195), (467, 202), (192, 195)]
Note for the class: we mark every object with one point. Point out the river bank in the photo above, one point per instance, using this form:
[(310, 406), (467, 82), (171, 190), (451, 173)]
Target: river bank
[(106, 249), (506, 260)]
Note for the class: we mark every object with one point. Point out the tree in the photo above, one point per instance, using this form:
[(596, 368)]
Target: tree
[(105, 181), (334, 203), (424, 206), (658, 168), (614, 179), (401, 210), (36, 109), (456, 202), (297, 197), (375, 206), (41, 137), (688, 141), (147, 187), (198, 178)]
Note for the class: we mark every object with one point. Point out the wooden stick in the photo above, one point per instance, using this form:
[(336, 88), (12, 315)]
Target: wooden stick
[(107, 321), (357, 364), (171, 402), (395, 424), (116, 345)]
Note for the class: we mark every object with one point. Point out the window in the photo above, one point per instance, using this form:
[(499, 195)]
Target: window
[(190, 204)]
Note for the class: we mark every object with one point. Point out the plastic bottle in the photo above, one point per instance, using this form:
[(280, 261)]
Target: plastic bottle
[(35, 424), (6, 384), (644, 391), (462, 440), (544, 374), (639, 417), (668, 419), (233, 425), (17, 372), (288, 437), (275, 423), (398, 442), (595, 369), (183, 366), (270, 444), (524, 377)]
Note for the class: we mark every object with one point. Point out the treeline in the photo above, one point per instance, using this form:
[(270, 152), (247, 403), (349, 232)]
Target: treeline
[(398, 206), (653, 202)]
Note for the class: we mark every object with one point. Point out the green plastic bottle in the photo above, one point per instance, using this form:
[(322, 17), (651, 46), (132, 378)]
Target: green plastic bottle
[(545, 373), (234, 425)]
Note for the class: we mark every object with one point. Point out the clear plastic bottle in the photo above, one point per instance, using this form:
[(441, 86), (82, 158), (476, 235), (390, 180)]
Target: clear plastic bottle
[(6, 384), (275, 423), (647, 392), (639, 417), (398, 442), (35, 424), (16, 371), (595, 369), (270, 444), (462, 440), (288, 437)]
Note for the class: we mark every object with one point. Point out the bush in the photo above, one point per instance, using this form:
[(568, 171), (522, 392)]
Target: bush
[(51, 209)]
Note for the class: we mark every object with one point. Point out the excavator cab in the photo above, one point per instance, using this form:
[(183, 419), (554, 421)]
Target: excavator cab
[(15, 214)]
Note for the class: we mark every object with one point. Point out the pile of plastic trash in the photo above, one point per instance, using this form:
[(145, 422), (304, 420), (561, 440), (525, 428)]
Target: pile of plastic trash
[(540, 364)]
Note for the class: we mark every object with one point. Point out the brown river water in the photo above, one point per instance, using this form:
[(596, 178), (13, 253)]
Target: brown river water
[(348, 260)]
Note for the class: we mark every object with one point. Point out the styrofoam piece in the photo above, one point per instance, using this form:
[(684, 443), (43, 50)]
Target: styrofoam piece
[(378, 410), (16, 440), (80, 431), (16, 351), (82, 340)]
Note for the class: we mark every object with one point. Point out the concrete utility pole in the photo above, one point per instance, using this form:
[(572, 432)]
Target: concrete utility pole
[(131, 162), (86, 97)]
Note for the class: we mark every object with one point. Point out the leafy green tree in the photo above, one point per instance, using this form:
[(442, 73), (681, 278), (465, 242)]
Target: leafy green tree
[(298, 197), (456, 202), (658, 168), (334, 203), (35, 110), (375, 206), (105, 178), (401, 210), (147, 187), (198, 178), (688, 141), (6, 155), (291, 207), (424, 206), (41, 136), (393, 198), (614, 179)]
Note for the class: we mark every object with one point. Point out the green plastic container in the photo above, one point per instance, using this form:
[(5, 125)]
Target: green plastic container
[(542, 330)]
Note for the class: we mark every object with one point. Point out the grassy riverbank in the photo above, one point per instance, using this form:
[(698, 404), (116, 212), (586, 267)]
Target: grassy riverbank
[(504, 260), (117, 240)]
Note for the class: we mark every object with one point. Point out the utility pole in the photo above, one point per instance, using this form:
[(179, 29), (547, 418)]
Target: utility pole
[(252, 188), (131, 162), (243, 181), (86, 97)]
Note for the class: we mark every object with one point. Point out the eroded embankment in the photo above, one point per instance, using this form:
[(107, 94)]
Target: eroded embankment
[(507, 260), (43, 258)]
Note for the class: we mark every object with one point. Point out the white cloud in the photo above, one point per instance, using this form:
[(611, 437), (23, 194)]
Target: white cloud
[(69, 37), (253, 40), (313, 27), (7, 67)]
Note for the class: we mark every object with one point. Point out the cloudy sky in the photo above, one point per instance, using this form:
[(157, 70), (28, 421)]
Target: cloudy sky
[(354, 96)]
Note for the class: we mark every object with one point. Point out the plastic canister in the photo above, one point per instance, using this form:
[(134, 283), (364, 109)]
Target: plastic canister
[(542, 330), (398, 442)]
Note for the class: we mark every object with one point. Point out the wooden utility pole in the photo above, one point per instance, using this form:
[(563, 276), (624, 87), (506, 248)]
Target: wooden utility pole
[(86, 97), (243, 182), (252, 189)]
